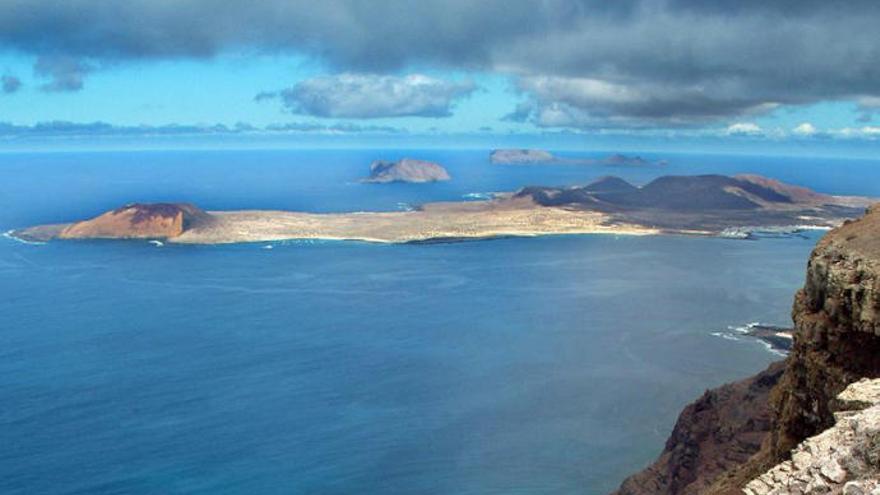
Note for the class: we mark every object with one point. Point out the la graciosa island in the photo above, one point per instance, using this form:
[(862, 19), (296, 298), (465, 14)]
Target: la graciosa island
[(709, 205)]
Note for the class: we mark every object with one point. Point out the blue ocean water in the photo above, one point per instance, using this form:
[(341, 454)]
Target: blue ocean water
[(539, 366)]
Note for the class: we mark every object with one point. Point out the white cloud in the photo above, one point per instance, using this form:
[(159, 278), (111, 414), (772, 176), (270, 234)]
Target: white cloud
[(805, 129), (744, 129), (365, 96)]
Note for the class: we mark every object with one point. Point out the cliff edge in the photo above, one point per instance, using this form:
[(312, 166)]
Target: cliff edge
[(844, 459), (836, 343)]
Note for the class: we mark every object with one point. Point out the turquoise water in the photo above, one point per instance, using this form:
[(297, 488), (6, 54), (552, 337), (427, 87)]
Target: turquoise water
[(538, 366)]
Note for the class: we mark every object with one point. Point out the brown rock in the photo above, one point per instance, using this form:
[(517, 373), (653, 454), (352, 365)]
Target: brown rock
[(137, 221), (718, 432), (836, 343)]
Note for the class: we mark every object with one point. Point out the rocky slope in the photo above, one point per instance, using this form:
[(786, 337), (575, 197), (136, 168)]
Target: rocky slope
[(406, 170), (718, 432), (132, 221), (836, 343), (844, 459), (837, 317)]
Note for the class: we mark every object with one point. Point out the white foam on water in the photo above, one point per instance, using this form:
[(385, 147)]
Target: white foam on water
[(726, 336), (8, 235), (268, 246), (157, 243)]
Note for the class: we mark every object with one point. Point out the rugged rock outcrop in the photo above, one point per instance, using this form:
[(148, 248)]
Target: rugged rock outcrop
[(718, 432), (844, 459), (836, 343), (837, 338), (406, 170)]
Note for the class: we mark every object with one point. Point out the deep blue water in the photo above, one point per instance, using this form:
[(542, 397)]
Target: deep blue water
[(536, 366)]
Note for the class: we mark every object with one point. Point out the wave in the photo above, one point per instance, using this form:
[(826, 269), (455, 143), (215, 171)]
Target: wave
[(756, 331), (8, 234), (157, 243), (748, 327)]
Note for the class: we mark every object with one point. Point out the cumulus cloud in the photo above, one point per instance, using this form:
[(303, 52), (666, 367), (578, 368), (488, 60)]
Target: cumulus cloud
[(10, 84), (364, 96), (636, 62), (590, 102), (805, 129), (744, 129), (64, 73)]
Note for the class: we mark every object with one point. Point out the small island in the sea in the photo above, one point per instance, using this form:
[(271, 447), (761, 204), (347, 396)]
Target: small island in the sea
[(542, 157), (406, 170), (520, 156), (778, 338), (694, 205)]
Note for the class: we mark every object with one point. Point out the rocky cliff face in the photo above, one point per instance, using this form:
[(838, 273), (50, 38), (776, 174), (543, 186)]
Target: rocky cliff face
[(715, 434), (836, 343), (837, 338)]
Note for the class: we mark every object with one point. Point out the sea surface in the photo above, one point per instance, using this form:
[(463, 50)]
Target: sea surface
[(549, 365)]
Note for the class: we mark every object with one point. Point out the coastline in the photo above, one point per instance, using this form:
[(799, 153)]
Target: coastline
[(742, 207), (437, 222)]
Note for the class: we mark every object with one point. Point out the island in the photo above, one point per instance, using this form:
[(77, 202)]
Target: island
[(778, 338), (406, 170), (520, 156), (542, 157), (692, 205)]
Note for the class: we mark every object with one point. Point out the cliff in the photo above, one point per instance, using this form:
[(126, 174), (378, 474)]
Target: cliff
[(406, 170), (844, 459), (836, 342), (837, 338), (718, 432)]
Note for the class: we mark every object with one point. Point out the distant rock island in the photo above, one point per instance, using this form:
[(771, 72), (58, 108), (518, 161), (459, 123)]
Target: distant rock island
[(694, 205), (520, 156), (406, 170), (542, 157)]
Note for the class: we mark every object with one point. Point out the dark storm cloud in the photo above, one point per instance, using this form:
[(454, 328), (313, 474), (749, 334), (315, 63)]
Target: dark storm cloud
[(360, 96), (677, 62), (63, 72), (10, 84)]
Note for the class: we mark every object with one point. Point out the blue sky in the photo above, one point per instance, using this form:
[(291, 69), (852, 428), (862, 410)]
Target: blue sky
[(572, 73)]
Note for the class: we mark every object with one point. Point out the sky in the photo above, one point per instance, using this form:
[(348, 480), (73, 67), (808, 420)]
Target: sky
[(684, 74)]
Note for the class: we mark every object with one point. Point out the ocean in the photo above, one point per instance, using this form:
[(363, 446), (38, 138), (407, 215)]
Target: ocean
[(550, 365)]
